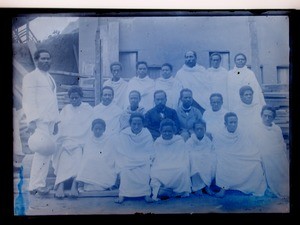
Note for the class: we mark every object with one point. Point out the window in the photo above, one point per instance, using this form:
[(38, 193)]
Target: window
[(282, 75), (128, 60)]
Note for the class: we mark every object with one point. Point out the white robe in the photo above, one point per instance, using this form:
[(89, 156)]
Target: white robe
[(238, 163), (172, 87), (197, 80), (171, 165), (218, 81), (97, 167), (248, 115), (146, 87), (72, 133), (202, 161), (133, 158), (111, 115), (274, 158), (120, 88), (214, 120), (239, 77)]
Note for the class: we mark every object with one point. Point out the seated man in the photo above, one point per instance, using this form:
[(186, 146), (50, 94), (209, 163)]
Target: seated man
[(155, 115), (187, 113), (238, 160), (170, 167), (108, 111)]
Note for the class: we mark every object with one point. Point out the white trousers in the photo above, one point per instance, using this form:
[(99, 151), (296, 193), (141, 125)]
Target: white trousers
[(40, 163)]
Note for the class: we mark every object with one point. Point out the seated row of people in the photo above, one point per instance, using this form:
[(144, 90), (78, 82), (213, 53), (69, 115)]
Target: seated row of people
[(150, 169)]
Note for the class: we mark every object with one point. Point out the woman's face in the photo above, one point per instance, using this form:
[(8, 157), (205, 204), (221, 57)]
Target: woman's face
[(136, 125), (167, 132), (199, 130), (75, 99), (231, 123), (247, 97), (240, 61), (98, 130), (267, 117), (216, 103)]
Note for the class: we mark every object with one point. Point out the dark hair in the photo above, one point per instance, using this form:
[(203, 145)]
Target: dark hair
[(137, 114), (115, 64), (245, 88), (268, 107), (199, 121), (168, 65), (167, 122), (75, 89), (37, 54), (216, 95), (216, 53), (98, 121), (229, 114), (241, 55), (135, 91), (195, 54), (141, 62), (159, 91), (185, 90), (109, 88)]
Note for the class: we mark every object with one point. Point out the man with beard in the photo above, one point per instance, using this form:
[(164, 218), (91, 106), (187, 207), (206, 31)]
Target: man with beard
[(159, 112), (41, 110)]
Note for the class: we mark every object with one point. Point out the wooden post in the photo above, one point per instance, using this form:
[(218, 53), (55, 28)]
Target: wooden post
[(255, 62), (98, 80)]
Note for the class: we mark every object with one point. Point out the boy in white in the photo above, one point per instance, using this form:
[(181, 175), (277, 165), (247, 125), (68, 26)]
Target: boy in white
[(202, 159), (170, 167), (97, 168)]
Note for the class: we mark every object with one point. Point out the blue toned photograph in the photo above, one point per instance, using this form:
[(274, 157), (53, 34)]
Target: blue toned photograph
[(185, 112)]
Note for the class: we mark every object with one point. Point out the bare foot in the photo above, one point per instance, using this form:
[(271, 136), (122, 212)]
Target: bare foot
[(148, 199), (60, 191), (209, 191), (185, 195), (199, 192), (74, 193), (120, 199), (221, 193)]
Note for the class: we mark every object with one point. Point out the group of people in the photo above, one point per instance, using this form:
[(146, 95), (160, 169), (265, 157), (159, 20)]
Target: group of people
[(173, 136)]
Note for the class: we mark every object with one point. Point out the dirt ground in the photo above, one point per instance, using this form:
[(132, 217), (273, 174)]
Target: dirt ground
[(233, 202)]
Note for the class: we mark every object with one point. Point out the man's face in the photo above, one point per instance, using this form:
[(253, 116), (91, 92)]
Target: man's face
[(166, 72), (190, 59), (160, 100), (187, 99), (216, 103), (75, 99), (44, 61), (215, 61), (231, 124), (240, 61), (134, 99), (107, 97), (247, 97), (116, 71), (142, 71), (267, 117), (136, 125)]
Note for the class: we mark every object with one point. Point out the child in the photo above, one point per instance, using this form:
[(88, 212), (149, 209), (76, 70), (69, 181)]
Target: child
[(202, 159), (97, 168), (170, 168)]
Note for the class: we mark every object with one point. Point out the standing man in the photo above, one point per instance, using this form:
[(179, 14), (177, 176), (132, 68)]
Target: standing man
[(41, 110), (194, 77), (118, 84)]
